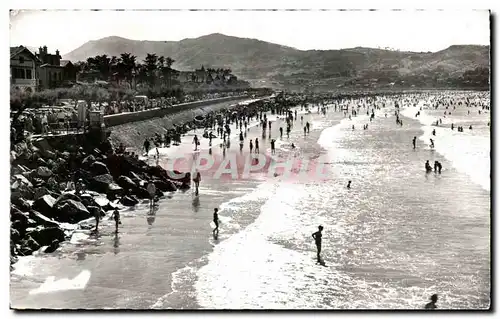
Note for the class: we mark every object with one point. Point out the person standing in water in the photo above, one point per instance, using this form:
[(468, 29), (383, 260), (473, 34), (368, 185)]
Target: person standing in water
[(414, 142), (317, 239), (97, 216), (432, 143), (256, 145), (281, 132), (151, 188), (146, 146), (349, 185), (195, 141), (197, 180), (251, 146), (432, 305), (116, 217), (216, 221), (273, 149)]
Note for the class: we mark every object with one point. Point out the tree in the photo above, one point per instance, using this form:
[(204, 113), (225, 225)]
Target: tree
[(126, 66), (150, 64)]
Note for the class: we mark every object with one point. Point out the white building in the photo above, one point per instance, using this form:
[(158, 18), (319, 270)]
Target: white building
[(23, 69)]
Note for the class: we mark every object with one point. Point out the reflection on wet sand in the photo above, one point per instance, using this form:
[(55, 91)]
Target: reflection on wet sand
[(151, 216), (196, 204), (116, 244)]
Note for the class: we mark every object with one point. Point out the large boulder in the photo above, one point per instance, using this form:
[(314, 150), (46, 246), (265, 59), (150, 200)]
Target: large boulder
[(41, 191), (126, 182), (96, 209), (141, 192), (45, 205), (129, 201), (99, 168), (22, 180), (28, 246), (17, 215), (19, 198), (44, 236), (114, 190), (41, 219), (15, 236), (101, 183), (71, 211), (43, 172), (67, 195), (165, 186)]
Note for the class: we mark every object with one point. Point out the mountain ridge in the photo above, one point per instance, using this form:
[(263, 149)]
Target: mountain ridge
[(264, 62)]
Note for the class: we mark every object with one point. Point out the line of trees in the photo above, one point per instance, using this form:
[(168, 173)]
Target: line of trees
[(154, 71)]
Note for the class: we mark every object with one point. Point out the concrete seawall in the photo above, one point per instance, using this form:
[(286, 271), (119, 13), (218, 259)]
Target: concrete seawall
[(126, 118), (132, 133)]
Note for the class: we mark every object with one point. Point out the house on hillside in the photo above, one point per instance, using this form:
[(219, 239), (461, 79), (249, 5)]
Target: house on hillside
[(69, 71), (23, 69), (186, 77), (50, 71)]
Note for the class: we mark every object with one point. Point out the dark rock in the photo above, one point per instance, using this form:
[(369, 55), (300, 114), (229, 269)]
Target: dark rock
[(158, 193), (141, 192), (43, 172), (41, 219), (20, 202), (184, 186), (99, 168), (49, 154), (45, 205), (87, 161), (40, 191), (96, 209), (41, 162), (23, 180), (71, 211), (17, 215), (129, 201), (44, 236), (15, 236), (126, 182), (100, 183), (65, 196), (114, 190), (165, 186), (29, 245), (52, 247), (135, 177)]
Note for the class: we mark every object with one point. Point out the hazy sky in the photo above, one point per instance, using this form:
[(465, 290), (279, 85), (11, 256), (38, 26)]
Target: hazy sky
[(404, 30)]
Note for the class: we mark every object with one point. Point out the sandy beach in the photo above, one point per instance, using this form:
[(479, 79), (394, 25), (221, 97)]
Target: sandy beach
[(389, 242)]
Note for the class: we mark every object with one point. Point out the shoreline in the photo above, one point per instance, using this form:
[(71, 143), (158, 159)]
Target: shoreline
[(39, 203), (168, 299)]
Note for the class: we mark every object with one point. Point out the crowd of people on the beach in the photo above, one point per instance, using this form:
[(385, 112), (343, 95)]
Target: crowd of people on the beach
[(217, 125), (64, 117)]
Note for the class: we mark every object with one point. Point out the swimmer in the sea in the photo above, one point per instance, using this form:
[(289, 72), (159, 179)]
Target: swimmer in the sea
[(432, 305), (349, 185)]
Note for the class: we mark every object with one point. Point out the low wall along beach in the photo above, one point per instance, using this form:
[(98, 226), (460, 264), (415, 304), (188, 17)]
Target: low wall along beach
[(124, 118)]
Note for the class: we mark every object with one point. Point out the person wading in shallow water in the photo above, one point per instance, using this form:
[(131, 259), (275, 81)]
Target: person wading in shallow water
[(151, 188), (432, 305), (116, 217), (317, 239), (197, 180), (216, 222), (414, 142), (349, 185)]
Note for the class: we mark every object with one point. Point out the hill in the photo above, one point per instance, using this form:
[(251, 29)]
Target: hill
[(263, 63)]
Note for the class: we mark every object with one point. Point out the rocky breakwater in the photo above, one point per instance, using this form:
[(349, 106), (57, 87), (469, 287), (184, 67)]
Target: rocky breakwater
[(55, 186)]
